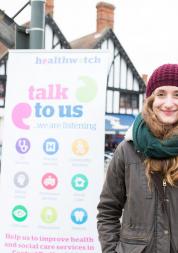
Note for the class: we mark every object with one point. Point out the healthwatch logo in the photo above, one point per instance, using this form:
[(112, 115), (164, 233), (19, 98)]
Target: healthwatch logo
[(86, 92)]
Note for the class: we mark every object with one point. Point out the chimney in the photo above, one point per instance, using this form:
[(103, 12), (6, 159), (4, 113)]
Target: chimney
[(49, 7), (105, 16)]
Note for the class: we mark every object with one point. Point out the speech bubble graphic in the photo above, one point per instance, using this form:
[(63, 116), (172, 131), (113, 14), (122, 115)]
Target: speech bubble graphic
[(21, 112), (88, 90)]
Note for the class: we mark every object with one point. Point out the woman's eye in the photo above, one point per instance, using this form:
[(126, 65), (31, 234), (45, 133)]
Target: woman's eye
[(160, 94)]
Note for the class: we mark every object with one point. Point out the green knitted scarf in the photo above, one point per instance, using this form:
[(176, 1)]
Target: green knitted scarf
[(149, 145)]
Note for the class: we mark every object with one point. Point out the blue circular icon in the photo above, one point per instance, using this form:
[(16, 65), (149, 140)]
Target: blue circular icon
[(79, 216), (50, 146)]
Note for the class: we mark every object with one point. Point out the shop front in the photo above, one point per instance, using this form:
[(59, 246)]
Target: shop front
[(116, 125)]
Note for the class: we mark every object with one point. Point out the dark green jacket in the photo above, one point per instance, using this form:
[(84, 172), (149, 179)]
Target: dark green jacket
[(130, 216)]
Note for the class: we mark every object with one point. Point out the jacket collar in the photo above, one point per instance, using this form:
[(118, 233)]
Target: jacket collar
[(129, 134)]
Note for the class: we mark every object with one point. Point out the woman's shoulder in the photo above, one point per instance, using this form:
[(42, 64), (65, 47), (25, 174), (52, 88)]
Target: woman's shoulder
[(125, 145), (127, 151)]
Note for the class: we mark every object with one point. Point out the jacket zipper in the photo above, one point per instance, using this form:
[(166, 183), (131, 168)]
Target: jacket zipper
[(164, 188), (155, 225), (164, 191)]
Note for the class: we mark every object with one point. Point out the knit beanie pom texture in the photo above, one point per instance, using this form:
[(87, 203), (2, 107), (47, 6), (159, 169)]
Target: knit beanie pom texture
[(165, 75)]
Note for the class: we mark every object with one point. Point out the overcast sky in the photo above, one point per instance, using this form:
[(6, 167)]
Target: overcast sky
[(147, 29)]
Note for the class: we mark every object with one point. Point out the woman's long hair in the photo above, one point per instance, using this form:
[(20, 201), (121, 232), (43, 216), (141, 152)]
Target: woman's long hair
[(168, 167)]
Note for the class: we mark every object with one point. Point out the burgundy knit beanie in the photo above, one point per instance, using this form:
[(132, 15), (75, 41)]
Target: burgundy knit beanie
[(165, 75)]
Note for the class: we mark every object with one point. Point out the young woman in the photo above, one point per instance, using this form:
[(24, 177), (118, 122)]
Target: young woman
[(138, 208)]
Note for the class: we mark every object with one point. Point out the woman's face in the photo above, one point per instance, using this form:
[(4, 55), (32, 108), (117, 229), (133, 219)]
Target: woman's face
[(165, 104)]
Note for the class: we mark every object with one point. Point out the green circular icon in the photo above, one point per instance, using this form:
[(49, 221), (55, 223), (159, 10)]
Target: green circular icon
[(87, 92), (49, 215), (79, 182), (19, 213)]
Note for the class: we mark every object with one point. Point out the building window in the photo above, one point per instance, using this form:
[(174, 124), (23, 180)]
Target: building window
[(129, 100), (2, 90)]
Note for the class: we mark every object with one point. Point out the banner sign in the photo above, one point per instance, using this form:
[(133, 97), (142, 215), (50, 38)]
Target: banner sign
[(53, 151)]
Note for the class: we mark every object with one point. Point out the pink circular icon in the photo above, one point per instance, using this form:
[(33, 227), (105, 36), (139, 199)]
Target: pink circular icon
[(49, 181)]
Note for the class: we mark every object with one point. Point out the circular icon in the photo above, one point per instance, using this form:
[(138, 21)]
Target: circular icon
[(79, 216), (50, 146), (49, 181), (21, 179), (79, 182), (22, 145), (19, 213), (80, 147), (49, 215)]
